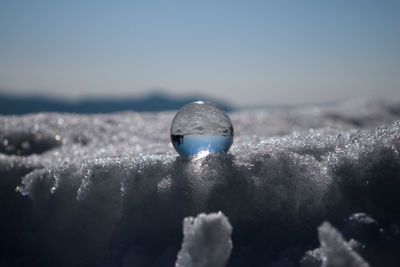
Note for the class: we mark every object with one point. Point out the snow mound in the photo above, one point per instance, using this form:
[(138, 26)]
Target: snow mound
[(109, 190), (207, 241), (337, 252)]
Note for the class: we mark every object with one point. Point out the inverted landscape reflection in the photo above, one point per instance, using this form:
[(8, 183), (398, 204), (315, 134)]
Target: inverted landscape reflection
[(193, 145)]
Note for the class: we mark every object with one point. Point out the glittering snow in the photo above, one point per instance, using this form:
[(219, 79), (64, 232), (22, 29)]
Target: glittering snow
[(109, 190)]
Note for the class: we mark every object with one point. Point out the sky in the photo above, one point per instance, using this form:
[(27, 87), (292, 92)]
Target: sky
[(247, 53)]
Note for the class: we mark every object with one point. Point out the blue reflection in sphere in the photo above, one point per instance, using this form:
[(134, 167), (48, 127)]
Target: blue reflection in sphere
[(201, 128)]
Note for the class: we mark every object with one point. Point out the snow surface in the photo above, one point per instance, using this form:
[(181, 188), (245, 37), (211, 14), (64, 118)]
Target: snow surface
[(109, 190)]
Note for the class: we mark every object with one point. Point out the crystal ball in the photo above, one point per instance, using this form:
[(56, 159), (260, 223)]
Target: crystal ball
[(201, 128)]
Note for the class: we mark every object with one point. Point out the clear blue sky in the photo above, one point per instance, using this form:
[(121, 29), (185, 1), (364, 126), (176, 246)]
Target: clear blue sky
[(246, 53)]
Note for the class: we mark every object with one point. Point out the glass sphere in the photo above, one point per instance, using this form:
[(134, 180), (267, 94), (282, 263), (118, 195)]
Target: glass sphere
[(200, 128)]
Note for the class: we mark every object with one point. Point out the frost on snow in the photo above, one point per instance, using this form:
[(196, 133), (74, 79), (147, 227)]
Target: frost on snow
[(109, 190)]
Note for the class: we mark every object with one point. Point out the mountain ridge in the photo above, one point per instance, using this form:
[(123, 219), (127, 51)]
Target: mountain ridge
[(18, 105)]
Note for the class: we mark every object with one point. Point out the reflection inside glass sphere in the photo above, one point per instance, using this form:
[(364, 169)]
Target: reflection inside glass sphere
[(201, 128)]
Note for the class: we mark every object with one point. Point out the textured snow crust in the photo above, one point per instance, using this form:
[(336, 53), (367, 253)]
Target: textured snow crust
[(109, 190)]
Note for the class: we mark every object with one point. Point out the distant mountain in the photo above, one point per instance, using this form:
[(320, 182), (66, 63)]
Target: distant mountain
[(11, 104)]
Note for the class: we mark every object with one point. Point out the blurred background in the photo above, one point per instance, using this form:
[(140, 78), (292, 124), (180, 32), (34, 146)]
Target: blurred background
[(104, 56)]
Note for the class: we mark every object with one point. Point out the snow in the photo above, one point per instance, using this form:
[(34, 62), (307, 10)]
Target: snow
[(109, 189), (206, 242), (336, 251)]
